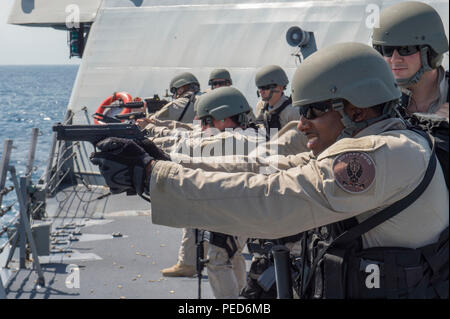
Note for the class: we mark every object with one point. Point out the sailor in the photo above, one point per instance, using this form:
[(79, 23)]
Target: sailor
[(226, 266), (158, 127), (185, 89), (274, 109), (356, 172), (219, 78), (179, 86), (224, 108), (184, 266), (412, 39)]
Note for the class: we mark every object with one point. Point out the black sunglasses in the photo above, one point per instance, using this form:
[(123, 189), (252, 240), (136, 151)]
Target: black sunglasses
[(267, 87), (388, 51), (314, 110), (219, 83)]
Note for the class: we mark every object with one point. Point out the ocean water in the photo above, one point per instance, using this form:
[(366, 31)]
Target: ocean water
[(31, 96)]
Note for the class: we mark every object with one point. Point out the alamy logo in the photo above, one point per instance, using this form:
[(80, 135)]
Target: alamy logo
[(237, 146), (73, 279), (373, 17), (73, 17), (373, 279)]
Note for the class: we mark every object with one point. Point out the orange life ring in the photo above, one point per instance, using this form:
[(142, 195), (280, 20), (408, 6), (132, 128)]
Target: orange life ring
[(124, 96)]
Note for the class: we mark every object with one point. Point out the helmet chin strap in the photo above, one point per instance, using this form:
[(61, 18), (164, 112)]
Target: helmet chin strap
[(351, 127), (271, 92), (406, 82), (267, 99), (243, 120)]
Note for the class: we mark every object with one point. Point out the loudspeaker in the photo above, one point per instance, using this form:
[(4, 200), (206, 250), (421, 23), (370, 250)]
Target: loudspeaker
[(305, 40), (296, 37)]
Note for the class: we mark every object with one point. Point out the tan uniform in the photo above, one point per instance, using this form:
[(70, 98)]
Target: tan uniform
[(173, 110), (165, 127), (193, 142), (227, 276), (165, 138), (440, 104), (187, 251), (289, 114), (307, 195), (289, 140)]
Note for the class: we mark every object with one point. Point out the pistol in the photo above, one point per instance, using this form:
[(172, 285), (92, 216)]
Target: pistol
[(96, 133)]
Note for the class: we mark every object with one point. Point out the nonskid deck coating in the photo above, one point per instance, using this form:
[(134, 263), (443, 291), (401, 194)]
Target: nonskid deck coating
[(109, 267)]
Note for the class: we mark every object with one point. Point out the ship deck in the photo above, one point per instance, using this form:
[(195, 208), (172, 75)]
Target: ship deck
[(112, 267)]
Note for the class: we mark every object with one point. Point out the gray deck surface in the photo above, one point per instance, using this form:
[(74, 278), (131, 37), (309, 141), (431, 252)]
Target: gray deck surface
[(109, 267)]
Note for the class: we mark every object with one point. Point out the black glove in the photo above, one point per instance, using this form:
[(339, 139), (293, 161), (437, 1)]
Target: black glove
[(152, 150), (122, 163)]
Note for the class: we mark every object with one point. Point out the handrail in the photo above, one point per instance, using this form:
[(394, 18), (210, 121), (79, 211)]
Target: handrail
[(4, 164)]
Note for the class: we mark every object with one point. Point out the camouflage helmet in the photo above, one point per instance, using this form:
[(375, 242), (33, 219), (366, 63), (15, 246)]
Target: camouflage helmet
[(351, 71), (219, 74), (271, 74), (181, 80), (412, 23), (221, 103)]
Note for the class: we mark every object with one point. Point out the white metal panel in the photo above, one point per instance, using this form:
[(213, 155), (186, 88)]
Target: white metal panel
[(138, 46), (51, 12)]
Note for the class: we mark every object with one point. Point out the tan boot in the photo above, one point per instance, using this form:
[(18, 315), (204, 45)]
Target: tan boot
[(179, 270)]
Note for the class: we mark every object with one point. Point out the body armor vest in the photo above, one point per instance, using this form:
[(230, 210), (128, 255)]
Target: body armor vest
[(272, 120)]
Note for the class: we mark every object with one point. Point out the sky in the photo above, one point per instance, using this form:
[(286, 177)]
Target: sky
[(31, 45)]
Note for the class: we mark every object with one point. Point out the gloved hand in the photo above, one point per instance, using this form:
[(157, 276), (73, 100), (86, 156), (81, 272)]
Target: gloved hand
[(152, 150), (122, 163)]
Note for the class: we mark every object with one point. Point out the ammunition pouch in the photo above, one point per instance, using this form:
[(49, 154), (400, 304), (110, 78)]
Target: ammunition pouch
[(386, 272)]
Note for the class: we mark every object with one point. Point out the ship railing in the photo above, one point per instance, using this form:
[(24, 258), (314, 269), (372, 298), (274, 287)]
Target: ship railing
[(66, 162), (19, 231)]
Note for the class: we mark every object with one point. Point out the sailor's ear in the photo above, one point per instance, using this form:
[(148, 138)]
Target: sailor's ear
[(357, 114)]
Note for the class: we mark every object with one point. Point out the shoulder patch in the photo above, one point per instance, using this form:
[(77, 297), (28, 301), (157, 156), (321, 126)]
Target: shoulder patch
[(354, 172)]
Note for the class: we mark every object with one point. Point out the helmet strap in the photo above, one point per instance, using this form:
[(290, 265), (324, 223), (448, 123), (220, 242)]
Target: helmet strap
[(194, 87), (267, 99), (243, 120), (424, 54), (351, 127)]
